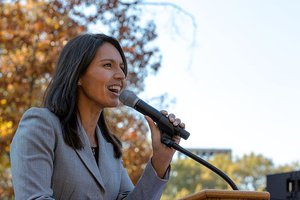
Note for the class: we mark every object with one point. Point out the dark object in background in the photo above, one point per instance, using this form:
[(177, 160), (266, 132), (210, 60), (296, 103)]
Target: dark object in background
[(284, 186)]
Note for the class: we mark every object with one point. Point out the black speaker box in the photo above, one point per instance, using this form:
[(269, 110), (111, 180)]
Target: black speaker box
[(284, 186)]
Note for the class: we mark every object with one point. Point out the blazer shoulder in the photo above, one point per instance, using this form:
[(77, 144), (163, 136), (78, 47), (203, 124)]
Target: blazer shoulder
[(39, 111), (38, 128), (39, 120), (42, 113)]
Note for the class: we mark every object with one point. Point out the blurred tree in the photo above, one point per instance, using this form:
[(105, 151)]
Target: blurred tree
[(185, 178), (33, 32), (31, 39), (252, 170), (248, 173), (286, 168), (211, 180)]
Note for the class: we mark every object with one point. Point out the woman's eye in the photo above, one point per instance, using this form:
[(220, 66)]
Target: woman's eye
[(107, 65)]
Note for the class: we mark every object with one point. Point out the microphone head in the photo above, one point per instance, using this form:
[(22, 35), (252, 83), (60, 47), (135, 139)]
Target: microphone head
[(128, 98)]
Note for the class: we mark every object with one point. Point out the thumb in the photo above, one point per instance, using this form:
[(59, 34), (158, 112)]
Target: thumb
[(153, 128), (150, 123)]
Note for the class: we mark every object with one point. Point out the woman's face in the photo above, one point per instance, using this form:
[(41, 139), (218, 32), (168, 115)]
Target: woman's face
[(104, 78)]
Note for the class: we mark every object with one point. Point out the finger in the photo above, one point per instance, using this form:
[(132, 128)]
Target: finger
[(182, 125), (171, 117), (176, 122), (176, 139), (164, 112), (151, 125)]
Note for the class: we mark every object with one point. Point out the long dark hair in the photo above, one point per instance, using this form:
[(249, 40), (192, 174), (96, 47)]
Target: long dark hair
[(61, 94)]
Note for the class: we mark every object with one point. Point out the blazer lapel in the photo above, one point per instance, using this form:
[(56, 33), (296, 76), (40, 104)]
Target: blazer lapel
[(105, 158), (87, 156)]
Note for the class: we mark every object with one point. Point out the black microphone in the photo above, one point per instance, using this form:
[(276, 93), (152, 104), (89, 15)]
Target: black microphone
[(128, 98)]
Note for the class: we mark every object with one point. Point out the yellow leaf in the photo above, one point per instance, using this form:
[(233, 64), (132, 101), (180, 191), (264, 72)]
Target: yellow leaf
[(3, 101)]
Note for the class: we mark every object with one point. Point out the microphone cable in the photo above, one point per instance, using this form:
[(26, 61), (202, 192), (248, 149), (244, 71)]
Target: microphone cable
[(165, 139)]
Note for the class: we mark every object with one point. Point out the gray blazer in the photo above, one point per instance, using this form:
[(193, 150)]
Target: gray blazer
[(44, 167)]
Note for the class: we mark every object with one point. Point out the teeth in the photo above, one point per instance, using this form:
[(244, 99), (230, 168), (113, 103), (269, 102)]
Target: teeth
[(116, 88)]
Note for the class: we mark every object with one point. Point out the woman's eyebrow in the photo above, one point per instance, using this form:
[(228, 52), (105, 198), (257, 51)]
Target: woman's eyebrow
[(110, 60), (107, 59)]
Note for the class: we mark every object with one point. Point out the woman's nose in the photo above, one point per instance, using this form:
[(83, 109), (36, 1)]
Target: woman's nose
[(119, 74)]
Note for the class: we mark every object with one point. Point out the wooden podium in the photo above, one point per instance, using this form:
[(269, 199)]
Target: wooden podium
[(211, 194)]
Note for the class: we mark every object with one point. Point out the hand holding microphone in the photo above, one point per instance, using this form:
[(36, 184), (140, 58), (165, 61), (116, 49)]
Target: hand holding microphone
[(162, 154), (166, 123)]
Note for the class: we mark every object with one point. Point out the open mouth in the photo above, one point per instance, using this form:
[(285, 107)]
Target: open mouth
[(115, 88)]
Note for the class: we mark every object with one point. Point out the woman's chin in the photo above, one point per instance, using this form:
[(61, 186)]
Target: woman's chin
[(113, 104)]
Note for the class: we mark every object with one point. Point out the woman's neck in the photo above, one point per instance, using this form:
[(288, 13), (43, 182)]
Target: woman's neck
[(89, 118)]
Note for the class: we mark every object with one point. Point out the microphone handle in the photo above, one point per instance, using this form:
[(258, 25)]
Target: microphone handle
[(162, 121)]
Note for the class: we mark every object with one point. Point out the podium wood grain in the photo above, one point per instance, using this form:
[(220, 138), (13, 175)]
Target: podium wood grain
[(212, 194)]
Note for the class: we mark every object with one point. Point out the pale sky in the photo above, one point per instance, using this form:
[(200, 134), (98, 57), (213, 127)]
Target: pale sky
[(238, 85)]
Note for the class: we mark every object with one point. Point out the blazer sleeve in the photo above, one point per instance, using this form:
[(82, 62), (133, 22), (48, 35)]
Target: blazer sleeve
[(32, 154), (149, 186)]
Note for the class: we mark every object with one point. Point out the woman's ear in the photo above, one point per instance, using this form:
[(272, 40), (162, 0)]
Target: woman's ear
[(79, 83)]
